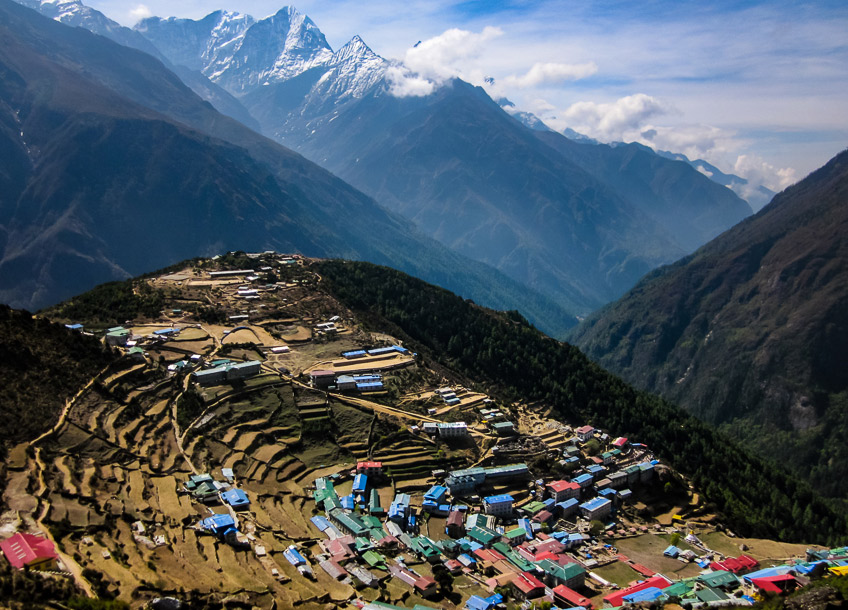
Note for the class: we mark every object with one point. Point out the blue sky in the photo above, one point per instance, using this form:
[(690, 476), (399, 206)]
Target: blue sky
[(757, 88)]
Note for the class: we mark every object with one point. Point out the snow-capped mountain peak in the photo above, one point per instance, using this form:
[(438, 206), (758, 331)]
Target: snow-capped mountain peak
[(238, 52)]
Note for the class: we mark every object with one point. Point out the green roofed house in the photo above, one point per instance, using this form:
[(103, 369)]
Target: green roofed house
[(513, 557), (516, 536), (719, 579), (533, 508), (709, 594), (331, 503), (374, 503), (678, 589), (426, 548), (571, 575), (483, 535), (371, 522), (374, 559), (362, 544)]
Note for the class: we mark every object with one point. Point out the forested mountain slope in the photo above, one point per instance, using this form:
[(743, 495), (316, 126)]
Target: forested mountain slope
[(750, 331)]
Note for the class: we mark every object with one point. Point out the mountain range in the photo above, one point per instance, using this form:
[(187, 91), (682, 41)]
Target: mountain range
[(749, 332), (463, 170), (112, 165)]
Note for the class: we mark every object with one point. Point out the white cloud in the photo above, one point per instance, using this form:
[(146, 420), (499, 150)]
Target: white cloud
[(611, 121), (141, 11), (704, 171), (403, 83), (757, 171), (438, 58), (551, 73)]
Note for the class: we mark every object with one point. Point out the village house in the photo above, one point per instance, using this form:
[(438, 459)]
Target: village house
[(27, 551)]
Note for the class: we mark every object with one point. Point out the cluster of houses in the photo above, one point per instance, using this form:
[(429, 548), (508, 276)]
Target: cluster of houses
[(362, 379), (730, 581), (203, 488)]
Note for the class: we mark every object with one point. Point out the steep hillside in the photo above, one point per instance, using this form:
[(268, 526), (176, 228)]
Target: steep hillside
[(749, 332), (74, 13), (42, 365), (691, 209), (113, 165)]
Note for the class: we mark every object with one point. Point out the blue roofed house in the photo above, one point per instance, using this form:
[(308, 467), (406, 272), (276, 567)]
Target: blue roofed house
[(499, 505), (236, 498)]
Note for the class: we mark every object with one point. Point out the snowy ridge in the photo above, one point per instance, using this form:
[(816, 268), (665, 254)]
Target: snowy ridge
[(238, 52), (356, 69)]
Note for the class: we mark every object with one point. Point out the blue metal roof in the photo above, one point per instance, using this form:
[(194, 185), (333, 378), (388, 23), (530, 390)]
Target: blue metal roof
[(360, 482), (320, 522), (217, 522), (498, 499), (369, 385), (645, 595), (583, 478), (594, 503), (235, 497)]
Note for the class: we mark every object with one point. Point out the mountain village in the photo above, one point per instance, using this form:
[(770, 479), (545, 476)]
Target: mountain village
[(434, 495)]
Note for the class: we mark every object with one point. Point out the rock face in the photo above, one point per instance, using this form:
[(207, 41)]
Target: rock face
[(749, 331), (573, 220)]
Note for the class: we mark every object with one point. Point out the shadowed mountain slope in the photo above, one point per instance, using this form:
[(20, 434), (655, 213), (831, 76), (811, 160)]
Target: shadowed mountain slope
[(750, 330)]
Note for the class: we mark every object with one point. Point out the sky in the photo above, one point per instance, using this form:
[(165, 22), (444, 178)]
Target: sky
[(759, 89)]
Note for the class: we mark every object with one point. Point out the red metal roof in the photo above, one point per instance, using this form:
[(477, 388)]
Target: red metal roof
[(25, 549), (748, 562), (527, 583), (488, 555), (362, 465), (571, 596), (642, 569), (619, 442), (559, 486), (615, 599), (775, 584), (584, 430)]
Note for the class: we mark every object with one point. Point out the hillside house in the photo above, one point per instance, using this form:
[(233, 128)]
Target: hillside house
[(27, 551), (526, 586), (584, 433), (499, 505), (563, 490)]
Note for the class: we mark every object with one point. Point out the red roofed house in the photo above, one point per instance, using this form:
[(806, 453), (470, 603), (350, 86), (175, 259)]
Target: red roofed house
[(615, 599), (370, 469), (569, 598), (29, 551), (425, 586), (783, 583), (619, 442), (748, 562), (584, 433), (563, 490), (527, 586), (455, 525)]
